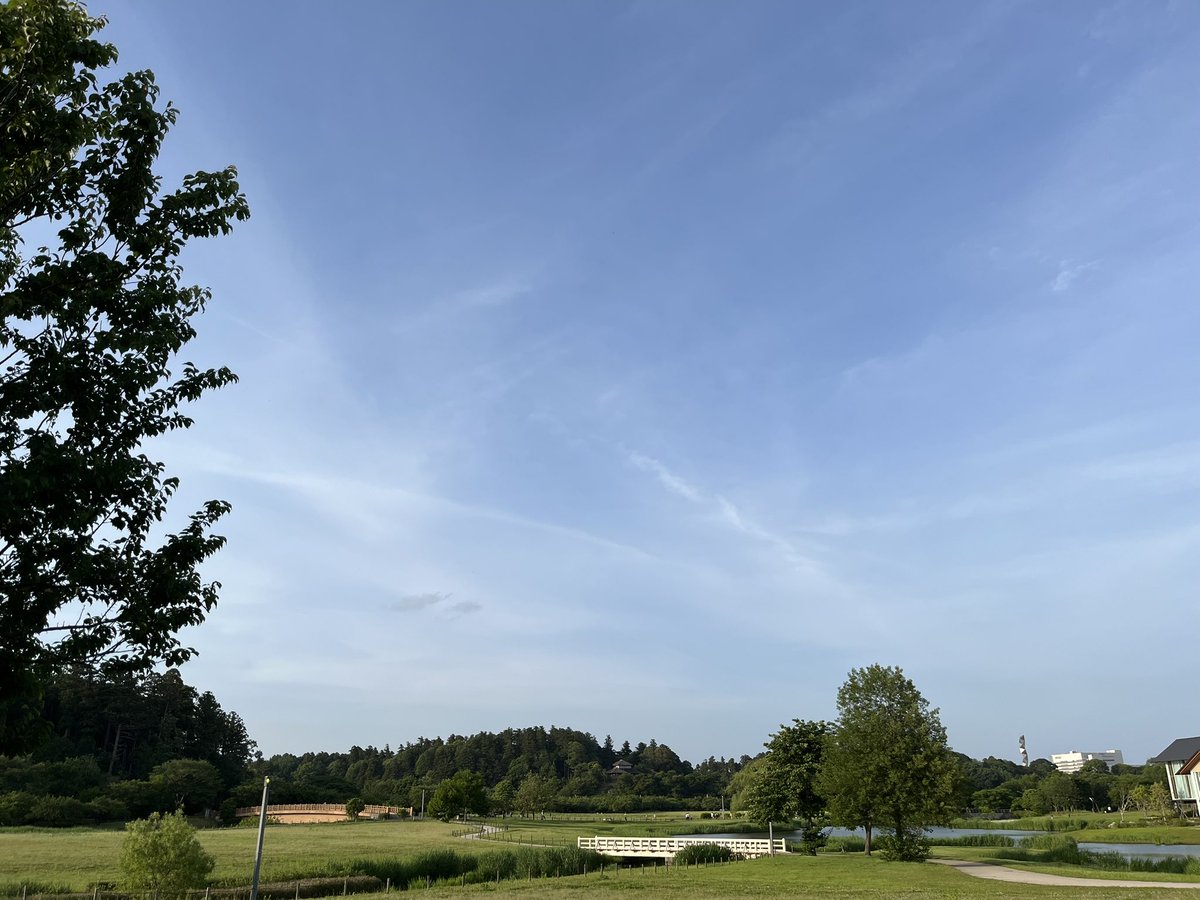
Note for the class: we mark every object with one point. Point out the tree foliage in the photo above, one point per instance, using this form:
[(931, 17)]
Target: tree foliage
[(191, 785), (887, 763), (465, 792), (785, 785), (534, 796), (162, 854), (93, 315)]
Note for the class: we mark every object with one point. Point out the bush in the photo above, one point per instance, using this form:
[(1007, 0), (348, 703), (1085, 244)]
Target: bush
[(907, 845), (108, 809), (162, 854), (15, 807), (812, 838), (703, 853), (59, 812)]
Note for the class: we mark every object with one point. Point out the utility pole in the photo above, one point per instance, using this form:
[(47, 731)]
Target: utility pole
[(262, 826)]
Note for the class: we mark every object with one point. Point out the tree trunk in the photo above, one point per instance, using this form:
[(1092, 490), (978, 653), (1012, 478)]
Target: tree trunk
[(867, 829)]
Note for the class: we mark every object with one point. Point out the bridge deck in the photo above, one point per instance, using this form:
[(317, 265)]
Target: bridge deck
[(667, 847), (319, 812)]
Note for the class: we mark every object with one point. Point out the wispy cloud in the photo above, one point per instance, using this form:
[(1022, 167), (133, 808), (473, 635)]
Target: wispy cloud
[(726, 512), (665, 476), (413, 602), (1176, 467), (464, 607), (1068, 273)]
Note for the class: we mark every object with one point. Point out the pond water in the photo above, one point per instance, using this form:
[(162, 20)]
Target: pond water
[(1145, 851)]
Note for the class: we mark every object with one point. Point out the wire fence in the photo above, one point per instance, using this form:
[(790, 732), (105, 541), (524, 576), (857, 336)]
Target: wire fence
[(368, 884)]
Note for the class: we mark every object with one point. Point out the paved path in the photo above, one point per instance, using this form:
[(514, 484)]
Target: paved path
[(1003, 873), (483, 829)]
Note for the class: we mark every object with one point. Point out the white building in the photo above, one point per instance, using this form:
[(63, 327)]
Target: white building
[(1073, 761)]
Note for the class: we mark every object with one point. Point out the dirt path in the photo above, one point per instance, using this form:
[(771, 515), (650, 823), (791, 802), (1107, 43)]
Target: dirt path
[(1003, 873)]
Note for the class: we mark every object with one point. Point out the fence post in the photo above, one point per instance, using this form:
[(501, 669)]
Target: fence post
[(345, 885), (388, 887)]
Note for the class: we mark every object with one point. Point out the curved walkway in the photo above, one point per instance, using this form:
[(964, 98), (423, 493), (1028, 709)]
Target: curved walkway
[(1020, 876), (483, 829)]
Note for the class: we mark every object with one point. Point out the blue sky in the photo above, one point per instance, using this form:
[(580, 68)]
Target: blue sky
[(643, 367)]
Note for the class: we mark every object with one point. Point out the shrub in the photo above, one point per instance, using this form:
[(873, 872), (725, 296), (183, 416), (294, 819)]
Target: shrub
[(907, 845), (108, 809), (59, 812), (162, 854), (15, 806), (698, 853), (812, 838)]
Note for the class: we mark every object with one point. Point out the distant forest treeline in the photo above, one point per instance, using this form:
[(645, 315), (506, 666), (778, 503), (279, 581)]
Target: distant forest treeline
[(111, 750)]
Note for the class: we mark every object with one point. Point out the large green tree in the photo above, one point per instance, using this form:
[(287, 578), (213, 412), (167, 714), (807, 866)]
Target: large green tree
[(535, 795), (887, 763), (784, 787), (93, 316), (464, 792)]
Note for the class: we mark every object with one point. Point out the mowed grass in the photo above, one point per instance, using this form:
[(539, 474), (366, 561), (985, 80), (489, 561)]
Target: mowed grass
[(79, 857), (833, 876)]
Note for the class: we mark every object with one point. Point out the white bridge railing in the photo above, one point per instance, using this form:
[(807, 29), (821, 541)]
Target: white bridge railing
[(667, 847)]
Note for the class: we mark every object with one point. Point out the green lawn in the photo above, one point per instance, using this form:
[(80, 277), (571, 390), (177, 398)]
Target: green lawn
[(835, 876), (79, 858)]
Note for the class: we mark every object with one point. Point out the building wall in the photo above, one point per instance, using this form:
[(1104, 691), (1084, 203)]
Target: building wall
[(1185, 788), (1073, 760)]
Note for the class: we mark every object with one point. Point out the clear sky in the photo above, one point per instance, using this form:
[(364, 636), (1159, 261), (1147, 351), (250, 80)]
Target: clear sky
[(643, 367)]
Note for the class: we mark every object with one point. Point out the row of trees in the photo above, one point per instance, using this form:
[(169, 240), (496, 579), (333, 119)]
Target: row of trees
[(573, 763), (886, 762), (115, 747)]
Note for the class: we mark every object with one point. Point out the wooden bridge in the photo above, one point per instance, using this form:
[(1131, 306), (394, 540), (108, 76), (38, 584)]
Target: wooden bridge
[(667, 847), (300, 813)]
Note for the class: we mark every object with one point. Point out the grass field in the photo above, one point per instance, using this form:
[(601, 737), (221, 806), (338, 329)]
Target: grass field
[(79, 858)]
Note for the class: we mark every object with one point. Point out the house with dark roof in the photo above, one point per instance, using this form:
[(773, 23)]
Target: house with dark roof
[(1182, 760), (620, 767)]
